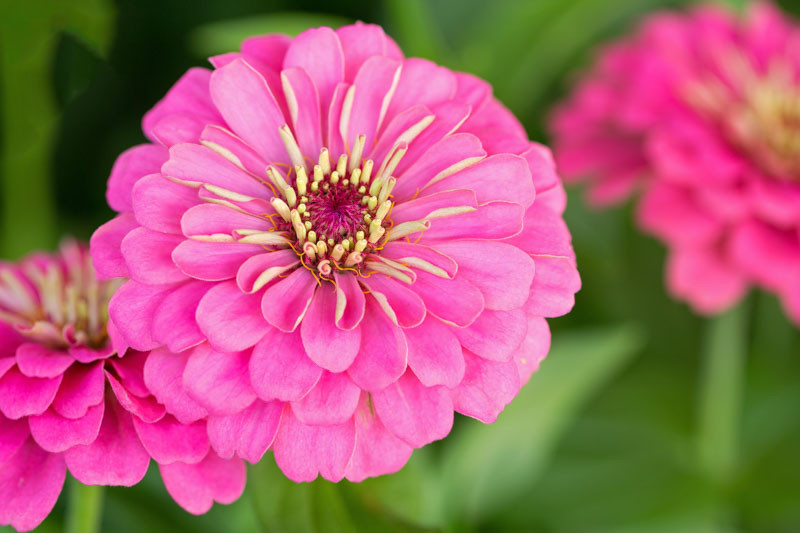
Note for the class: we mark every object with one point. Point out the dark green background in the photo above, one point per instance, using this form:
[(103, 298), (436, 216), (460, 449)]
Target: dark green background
[(604, 439)]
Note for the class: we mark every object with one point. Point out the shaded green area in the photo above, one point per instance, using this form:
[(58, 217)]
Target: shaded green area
[(616, 433)]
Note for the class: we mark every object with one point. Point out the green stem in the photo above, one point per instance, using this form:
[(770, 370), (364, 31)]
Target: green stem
[(85, 508), (722, 387)]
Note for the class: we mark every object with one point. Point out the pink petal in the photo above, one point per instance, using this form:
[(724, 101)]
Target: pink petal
[(37, 361), (502, 272), (168, 441), (413, 412), (195, 163), (158, 203), (246, 102), (219, 381), (274, 262), (177, 128), (497, 220), (495, 335), (148, 255), (377, 450), (116, 457), (318, 51), (383, 354), (486, 389), (674, 215), (554, 286), (303, 451), (434, 206), (408, 253), (163, 374), (105, 247), (174, 321), (280, 368), (434, 354), (231, 319), (23, 396), (544, 233), (533, 349), (374, 84), (449, 116), (13, 434), (145, 408), (56, 434), (196, 487), (212, 261), (130, 166), (132, 308), (30, 483), (335, 142), (269, 49), (303, 102), (82, 387), (542, 167), (402, 305), (209, 219), (422, 82), (130, 371), (247, 434), (498, 178), (359, 42), (189, 95), (84, 354), (329, 347), (251, 160), (455, 301), (349, 291), (402, 128), (331, 401), (704, 278), (285, 303)]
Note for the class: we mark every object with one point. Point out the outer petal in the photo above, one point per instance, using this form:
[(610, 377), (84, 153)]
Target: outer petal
[(331, 348), (554, 286), (486, 389), (303, 451), (231, 319), (196, 487), (82, 387), (105, 246), (148, 255), (163, 374), (189, 95), (213, 261), (132, 165), (13, 434), (38, 361), (359, 42), (434, 354), (332, 401), (132, 308), (455, 301), (413, 412), (383, 354), (285, 303), (56, 434), (402, 305), (158, 203), (116, 457), (247, 434), (168, 441), (219, 381), (174, 321), (280, 369), (374, 86), (23, 396), (377, 450), (30, 482), (495, 335)]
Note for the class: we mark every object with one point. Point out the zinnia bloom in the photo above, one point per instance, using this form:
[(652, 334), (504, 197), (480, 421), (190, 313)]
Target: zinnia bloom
[(701, 112), (71, 398), (344, 245)]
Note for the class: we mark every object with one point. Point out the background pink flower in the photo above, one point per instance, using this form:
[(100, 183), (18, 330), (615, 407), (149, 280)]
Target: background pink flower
[(701, 111), (341, 246), (71, 398)]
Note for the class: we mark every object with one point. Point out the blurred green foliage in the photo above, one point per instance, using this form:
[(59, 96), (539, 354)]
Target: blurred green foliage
[(610, 435)]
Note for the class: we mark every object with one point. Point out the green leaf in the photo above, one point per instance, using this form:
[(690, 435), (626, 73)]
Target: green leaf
[(485, 465), (227, 35)]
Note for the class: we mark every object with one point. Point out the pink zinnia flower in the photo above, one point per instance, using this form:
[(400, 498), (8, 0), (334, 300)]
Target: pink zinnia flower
[(70, 399), (344, 245), (701, 111)]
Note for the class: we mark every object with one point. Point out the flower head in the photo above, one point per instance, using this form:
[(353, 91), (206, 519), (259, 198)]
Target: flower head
[(701, 111), (70, 398), (340, 243)]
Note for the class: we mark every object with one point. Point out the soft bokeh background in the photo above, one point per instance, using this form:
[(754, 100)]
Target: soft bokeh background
[(608, 437)]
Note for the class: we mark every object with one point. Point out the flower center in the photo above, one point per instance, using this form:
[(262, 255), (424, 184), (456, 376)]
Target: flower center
[(57, 301), (336, 214), (760, 117)]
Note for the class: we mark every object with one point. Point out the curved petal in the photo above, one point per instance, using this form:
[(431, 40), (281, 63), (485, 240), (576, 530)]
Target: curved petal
[(38, 361), (56, 434), (280, 368), (105, 247), (189, 95), (331, 401), (303, 451), (174, 322), (168, 441), (82, 387), (330, 347), (495, 335), (213, 261), (148, 255), (374, 85), (285, 303), (434, 354), (413, 412), (486, 389), (163, 374), (455, 301), (231, 319), (218, 381), (248, 434), (158, 203), (196, 487), (402, 305), (132, 308), (23, 396), (383, 354), (303, 102), (132, 165), (554, 286)]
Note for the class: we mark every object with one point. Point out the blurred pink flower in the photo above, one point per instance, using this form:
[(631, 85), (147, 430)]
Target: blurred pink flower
[(701, 112), (340, 242), (70, 400)]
